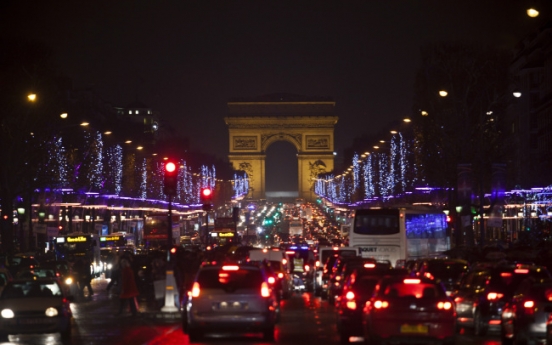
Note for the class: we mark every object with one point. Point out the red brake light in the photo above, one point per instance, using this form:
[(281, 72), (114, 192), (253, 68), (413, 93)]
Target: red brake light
[(528, 304), (307, 268), (491, 296), (381, 304), (284, 261), (444, 305), (230, 268), (271, 280), (335, 248), (505, 274), (195, 290), (317, 263), (350, 295), (265, 291), (411, 281), (371, 265), (521, 270), (290, 252), (280, 275)]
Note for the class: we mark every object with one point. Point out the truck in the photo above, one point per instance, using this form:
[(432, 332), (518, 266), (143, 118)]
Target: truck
[(296, 228)]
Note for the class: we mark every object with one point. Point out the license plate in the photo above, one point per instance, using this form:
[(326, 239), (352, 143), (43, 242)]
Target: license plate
[(417, 329)]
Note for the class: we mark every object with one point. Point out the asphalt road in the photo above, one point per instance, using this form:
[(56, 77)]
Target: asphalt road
[(305, 320)]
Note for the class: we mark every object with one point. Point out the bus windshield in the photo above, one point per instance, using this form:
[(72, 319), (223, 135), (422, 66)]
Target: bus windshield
[(377, 224)]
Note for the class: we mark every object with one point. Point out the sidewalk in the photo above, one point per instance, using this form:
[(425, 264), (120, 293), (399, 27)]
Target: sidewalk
[(148, 308)]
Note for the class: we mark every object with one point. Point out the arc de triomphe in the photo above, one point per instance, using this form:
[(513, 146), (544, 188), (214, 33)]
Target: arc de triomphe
[(307, 123)]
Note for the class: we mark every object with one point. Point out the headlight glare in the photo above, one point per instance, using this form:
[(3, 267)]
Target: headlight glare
[(7, 313), (51, 312), (69, 281)]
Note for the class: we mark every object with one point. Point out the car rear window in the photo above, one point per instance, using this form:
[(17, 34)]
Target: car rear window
[(220, 279), (446, 269), (417, 290), (509, 280)]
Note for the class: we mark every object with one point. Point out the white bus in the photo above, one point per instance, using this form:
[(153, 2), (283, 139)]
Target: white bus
[(400, 234)]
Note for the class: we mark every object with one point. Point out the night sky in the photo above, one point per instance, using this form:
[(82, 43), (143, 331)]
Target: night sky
[(186, 59)]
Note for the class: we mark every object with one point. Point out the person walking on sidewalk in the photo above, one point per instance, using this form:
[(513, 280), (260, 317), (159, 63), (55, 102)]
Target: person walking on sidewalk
[(129, 290)]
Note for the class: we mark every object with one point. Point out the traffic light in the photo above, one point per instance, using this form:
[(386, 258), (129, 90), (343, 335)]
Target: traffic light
[(206, 197), (171, 178)]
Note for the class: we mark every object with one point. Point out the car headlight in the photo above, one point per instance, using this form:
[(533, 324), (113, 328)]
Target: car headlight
[(7, 313), (51, 312), (69, 281)]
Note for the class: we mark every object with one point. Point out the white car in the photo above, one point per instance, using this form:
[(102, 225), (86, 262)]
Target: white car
[(34, 306)]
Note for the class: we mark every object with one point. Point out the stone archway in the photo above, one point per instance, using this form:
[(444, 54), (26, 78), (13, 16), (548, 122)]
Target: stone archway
[(307, 123)]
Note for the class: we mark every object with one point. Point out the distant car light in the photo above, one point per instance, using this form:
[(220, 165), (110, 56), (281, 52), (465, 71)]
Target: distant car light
[(51, 312), (7, 313)]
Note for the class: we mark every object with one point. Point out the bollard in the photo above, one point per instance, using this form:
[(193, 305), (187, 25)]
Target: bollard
[(170, 291)]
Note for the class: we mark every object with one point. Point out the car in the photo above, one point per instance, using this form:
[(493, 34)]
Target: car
[(35, 306), (447, 271), (342, 267), (230, 298), (357, 289), (276, 261), (483, 294), (409, 309), (526, 316), (326, 259)]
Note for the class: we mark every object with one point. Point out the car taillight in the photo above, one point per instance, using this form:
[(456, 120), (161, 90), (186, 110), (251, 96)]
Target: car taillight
[(307, 268), (491, 296), (529, 307), (195, 290), (350, 295), (369, 265), (284, 261), (521, 270), (381, 304), (317, 263), (271, 280), (280, 275), (338, 278), (444, 305), (265, 290)]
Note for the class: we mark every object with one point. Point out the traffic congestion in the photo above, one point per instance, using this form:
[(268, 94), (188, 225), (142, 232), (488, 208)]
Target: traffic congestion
[(244, 287)]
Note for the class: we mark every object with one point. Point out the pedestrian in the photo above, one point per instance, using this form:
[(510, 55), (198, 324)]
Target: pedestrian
[(129, 290), (84, 276), (115, 275)]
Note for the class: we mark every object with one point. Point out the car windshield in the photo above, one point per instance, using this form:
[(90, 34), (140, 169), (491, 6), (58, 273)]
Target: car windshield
[(230, 279), (31, 289), (446, 269), (37, 272)]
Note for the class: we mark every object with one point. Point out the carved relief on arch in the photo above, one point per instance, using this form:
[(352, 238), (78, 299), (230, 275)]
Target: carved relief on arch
[(294, 138)]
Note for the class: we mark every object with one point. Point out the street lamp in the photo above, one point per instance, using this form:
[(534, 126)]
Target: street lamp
[(21, 215), (31, 97)]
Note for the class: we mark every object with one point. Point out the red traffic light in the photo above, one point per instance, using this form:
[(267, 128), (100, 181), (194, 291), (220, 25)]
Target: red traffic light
[(170, 167), (206, 192)]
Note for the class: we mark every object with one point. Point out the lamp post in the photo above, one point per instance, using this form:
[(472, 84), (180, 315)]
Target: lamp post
[(20, 219)]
